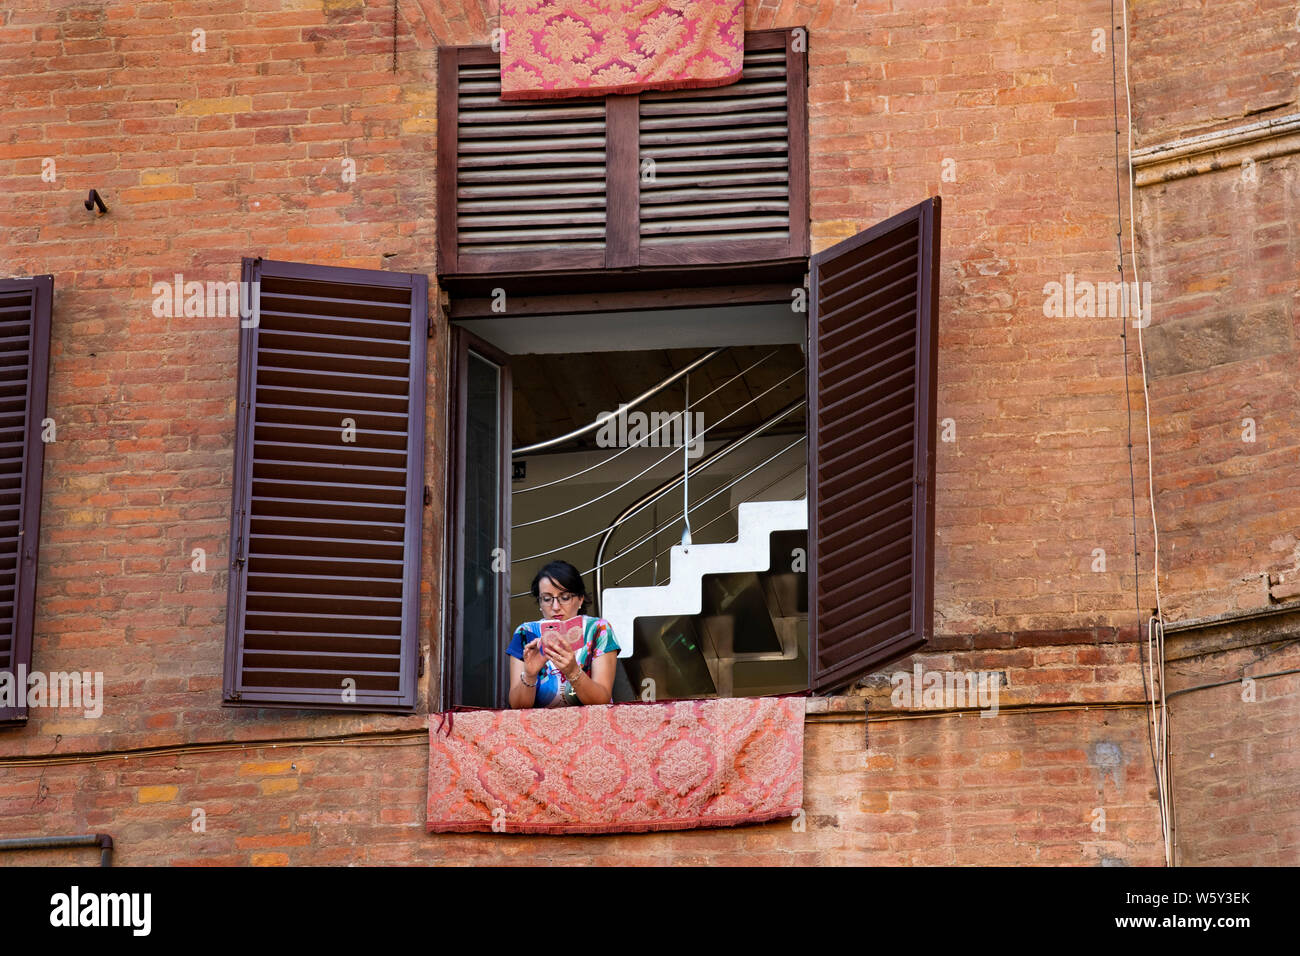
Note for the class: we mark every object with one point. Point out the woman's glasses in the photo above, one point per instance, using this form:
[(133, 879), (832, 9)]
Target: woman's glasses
[(549, 599)]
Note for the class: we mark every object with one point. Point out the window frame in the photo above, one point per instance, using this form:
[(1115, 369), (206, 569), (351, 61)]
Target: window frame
[(450, 679), (628, 275)]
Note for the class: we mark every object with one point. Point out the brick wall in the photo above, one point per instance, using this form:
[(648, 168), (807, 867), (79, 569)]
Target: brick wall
[(927, 792), (1223, 252), (1200, 67), (207, 157), (1236, 763), (1006, 113), (1221, 249)]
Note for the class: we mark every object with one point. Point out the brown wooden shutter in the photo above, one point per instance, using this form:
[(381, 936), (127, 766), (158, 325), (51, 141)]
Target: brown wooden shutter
[(325, 531), (729, 163), (872, 362), (25, 307), (547, 186), (522, 184)]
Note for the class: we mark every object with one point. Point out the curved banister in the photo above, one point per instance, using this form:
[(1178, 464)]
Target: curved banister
[(636, 444), (649, 535), (665, 457), (673, 482), (648, 393)]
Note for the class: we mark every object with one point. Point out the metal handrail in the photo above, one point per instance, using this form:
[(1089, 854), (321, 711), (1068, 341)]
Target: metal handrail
[(714, 520), (647, 468), (726, 487), (673, 482), (658, 528), (649, 393), (637, 444), (703, 462)]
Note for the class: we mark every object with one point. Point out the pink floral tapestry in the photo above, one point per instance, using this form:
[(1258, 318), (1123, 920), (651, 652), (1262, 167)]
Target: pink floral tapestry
[(616, 767), (557, 48)]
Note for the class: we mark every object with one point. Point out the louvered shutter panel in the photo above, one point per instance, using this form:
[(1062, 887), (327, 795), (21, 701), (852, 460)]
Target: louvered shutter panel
[(717, 165), (528, 178), (715, 175), (325, 537), (24, 381), (872, 364)]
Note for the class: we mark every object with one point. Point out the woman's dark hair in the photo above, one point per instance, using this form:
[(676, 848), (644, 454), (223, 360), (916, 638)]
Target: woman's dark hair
[(565, 575)]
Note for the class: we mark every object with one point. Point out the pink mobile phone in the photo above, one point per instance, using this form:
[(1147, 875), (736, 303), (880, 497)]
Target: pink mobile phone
[(568, 632)]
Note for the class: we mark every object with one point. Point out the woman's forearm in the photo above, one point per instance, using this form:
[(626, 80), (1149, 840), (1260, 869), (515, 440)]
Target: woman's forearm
[(589, 691), (521, 695)]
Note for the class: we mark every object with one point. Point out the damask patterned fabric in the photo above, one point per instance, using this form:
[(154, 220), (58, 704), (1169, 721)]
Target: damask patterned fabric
[(558, 48), (617, 767)]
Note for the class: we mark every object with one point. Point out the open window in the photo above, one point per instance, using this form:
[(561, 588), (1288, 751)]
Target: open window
[(475, 670), (609, 497), (656, 228), (837, 578)]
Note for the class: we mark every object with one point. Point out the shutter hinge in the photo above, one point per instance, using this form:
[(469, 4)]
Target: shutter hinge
[(421, 670), (429, 327), (428, 496)]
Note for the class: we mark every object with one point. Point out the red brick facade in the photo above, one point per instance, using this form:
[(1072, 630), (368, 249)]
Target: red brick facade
[(1002, 108)]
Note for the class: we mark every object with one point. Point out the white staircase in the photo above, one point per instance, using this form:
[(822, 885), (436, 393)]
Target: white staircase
[(683, 595)]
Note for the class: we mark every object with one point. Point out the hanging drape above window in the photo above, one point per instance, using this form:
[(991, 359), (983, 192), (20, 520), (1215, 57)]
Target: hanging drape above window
[(561, 48)]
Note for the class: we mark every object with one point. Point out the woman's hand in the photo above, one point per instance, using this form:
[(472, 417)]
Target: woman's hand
[(534, 660), (598, 687), (563, 658), (594, 688), (524, 675)]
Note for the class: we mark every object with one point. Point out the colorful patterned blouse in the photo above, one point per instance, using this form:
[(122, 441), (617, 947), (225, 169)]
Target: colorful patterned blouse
[(551, 685)]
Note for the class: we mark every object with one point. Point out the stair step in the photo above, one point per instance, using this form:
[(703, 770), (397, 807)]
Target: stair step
[(758, 521)]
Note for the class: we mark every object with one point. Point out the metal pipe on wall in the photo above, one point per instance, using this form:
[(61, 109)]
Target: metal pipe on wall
[(101, 840)]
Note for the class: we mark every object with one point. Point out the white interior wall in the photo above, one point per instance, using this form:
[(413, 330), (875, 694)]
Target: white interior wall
[(772, 324)]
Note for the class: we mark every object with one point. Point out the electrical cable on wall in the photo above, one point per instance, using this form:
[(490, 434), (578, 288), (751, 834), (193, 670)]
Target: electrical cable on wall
[(1158, 728)]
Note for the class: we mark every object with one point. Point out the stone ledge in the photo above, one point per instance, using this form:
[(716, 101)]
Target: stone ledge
[(1011, 640), (1234, 629), (840, 704), (1224, 149)]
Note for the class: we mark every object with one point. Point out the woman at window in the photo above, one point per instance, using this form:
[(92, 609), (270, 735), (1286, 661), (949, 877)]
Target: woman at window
[(544, 672)]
